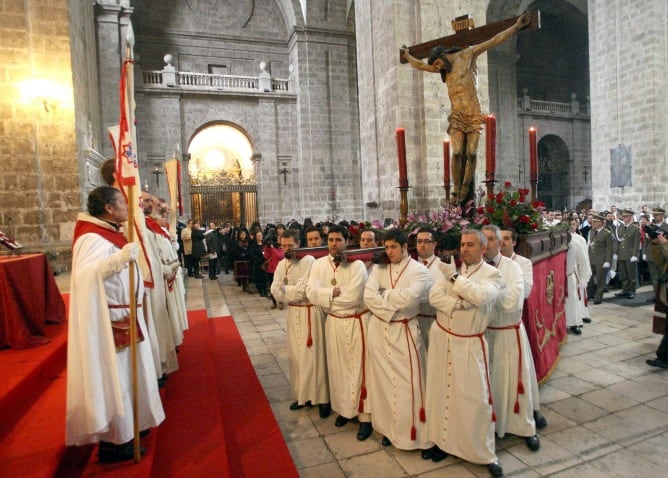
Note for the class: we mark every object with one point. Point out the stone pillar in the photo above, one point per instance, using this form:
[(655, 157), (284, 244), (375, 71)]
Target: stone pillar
[(111, 25), (629, 109)]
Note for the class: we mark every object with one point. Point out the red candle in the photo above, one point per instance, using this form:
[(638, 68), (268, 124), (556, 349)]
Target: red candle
[(490, 150), (533, 155), (401, 151), (446, 163)]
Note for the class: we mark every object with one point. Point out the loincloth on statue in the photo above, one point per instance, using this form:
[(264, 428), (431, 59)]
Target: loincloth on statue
[(465, 122)]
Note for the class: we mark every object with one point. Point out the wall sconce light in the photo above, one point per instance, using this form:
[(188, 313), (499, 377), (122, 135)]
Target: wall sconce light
[(45, 93)]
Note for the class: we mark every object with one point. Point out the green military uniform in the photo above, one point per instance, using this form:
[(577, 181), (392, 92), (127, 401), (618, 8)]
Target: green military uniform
[(600, 257), (627, 256)]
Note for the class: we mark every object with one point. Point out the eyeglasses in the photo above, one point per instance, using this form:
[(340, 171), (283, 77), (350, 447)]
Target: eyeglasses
[(424, 241)]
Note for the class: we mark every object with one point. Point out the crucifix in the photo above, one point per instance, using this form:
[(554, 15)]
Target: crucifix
[(157, 172), (454, 58)]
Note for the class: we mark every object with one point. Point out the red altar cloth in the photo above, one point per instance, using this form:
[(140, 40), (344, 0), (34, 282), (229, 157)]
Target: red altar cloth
[(543, 313), (29, 297)]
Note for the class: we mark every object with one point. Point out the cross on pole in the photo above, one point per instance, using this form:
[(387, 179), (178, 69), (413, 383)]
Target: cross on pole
[(465, 35)]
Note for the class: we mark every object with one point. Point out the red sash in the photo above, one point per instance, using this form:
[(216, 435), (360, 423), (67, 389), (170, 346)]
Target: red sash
[(85, 227)]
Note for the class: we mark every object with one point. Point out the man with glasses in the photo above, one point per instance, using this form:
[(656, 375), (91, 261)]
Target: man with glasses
[(425, 251)]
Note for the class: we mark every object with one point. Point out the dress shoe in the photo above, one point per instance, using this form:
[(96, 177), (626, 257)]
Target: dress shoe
[(576, 329), (365, 431), (386, 442), (533, 443), (495, 469), (324, 409), (340, 421), (296, 406), (586, 320), (622, 294), (199, 277), (597, 301), (657, 363), (630, 295), (438, 455), (111, 453), (539, 419), (428, 453)]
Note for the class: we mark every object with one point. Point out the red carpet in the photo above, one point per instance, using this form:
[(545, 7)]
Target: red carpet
[(219, 422)]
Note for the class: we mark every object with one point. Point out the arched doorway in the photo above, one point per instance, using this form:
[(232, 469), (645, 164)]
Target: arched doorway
[(553, 172), (222, 178)]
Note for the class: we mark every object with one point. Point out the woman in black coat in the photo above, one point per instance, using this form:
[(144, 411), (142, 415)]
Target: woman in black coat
[(258, 270), (198, 246)]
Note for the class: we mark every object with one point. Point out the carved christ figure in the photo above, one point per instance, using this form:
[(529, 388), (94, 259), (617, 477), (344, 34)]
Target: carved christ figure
[(458, 70)]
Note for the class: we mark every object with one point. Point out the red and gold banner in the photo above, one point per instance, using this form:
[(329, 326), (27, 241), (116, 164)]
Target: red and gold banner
[(543, 313)]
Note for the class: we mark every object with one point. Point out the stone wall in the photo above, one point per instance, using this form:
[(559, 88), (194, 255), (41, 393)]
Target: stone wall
[(628, 49), (39, 187)]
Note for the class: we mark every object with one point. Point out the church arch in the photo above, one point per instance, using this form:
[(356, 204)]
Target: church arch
[(221, 174)]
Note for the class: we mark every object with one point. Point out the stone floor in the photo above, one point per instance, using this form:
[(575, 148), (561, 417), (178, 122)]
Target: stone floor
[(607, 410)]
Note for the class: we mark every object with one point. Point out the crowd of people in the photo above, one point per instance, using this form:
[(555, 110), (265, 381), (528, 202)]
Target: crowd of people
[(426, 346), (428, 351)]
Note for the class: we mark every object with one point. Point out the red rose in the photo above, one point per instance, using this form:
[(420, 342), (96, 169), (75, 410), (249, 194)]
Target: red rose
[(513, 203), (490, 209), (485, 221), (362, 225), (522, 198), (499, 200), (523, 192), (524, 219), (481, 210), (534, 225), (536, 204), (507, 185)]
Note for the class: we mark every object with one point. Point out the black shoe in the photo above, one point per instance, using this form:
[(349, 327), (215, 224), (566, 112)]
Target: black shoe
[(296, 406), (365, 431), (657, 363), (144, 433), (577, 330), (324, 409), (110, 453), (386, 442), (533, 443), (495, 469), (586, 320), (597, 301), (340, 421), (539, 419), (438, 455), (630, 295), (199, 277), (621, 294), (427, 454)]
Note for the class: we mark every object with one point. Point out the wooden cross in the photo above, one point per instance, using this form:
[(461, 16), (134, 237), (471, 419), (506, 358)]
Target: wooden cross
[(465, 35)]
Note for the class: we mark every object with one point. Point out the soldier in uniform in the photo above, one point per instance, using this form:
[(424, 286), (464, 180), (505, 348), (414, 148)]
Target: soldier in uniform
[(600, 257), (627, 255)]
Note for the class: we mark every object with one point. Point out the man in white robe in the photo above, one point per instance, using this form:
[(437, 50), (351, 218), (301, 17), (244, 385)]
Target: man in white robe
[(397, 356), (158, 294), (307, 361), (459, 401), (578, 273), (511, 362), (338, 288), (425, 250), (508, 244), (99, 406)]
